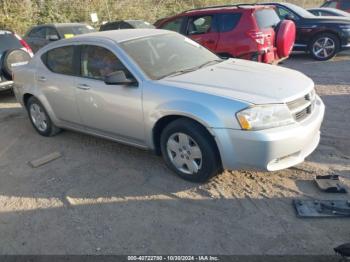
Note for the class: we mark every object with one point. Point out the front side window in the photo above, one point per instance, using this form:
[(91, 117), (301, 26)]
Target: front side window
[(60, 60), (227, 22), (199, 25), (98, 63), (174, 25), (163, 55)]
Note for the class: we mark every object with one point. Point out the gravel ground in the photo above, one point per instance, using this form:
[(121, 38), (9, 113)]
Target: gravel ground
[(105, 198)]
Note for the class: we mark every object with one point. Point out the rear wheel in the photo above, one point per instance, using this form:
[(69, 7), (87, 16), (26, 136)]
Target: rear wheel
[(190, 151), (324, 47), (40, 119)]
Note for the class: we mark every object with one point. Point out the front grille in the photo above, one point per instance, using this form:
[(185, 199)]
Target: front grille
[(302, 107)]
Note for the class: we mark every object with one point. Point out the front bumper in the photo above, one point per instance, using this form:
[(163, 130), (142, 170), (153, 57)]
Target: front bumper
[(270, 149), (6, 85)]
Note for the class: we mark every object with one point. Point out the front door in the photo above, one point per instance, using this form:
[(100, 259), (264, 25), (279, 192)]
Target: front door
[(202, 29), (111, 110)]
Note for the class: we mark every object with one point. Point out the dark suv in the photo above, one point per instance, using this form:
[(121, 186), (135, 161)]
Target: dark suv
[(251, 32), (322, 37), (339, 4), (13, 50)]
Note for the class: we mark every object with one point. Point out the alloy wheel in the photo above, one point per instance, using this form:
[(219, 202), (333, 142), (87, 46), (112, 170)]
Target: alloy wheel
[(324, 47), (184, 153), (38, 117)]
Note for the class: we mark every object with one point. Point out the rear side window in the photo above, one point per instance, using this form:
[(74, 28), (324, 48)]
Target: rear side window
[(174, 25), (8, 41), (60, 60), (267, 18), (345, 4), (227, 22)]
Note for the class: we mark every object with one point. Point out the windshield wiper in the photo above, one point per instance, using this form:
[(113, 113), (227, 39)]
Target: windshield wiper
[(183, 71)]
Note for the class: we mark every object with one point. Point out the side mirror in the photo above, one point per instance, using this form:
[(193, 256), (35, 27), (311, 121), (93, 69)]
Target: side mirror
[(289, 17), (119, 78), (53, 38)]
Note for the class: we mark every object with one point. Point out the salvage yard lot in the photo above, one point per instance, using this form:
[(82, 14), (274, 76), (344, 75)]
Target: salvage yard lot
[(101, 197)]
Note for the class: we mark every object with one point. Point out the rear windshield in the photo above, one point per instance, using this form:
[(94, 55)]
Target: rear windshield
[(140, 24), (70, 31), (8, 41), (267, 18)]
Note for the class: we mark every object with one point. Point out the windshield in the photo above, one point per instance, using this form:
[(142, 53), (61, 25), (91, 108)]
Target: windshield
[(299, 10), (164, 55), (68, 31)]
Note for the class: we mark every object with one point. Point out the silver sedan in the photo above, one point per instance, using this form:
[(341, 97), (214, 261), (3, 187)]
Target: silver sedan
[(159, 90)]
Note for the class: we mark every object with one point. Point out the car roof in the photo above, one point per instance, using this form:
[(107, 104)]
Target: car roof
[(225, 7), (58, 25), (121, 35)]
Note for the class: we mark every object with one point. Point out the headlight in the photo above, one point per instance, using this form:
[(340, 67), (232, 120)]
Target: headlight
[(264, 117)]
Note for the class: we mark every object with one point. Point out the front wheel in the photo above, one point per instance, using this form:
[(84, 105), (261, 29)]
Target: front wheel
[(40, 119), (324, 47), (190, 151)]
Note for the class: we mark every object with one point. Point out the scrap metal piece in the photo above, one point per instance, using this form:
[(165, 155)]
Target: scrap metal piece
[(330, 184), (322, 208), (46, 159)]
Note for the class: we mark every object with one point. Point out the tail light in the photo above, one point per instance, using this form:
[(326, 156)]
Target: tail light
[(24, 44), (257, 36)]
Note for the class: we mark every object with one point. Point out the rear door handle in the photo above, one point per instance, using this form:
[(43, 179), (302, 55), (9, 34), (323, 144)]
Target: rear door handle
[(42, 78), (84, 87)]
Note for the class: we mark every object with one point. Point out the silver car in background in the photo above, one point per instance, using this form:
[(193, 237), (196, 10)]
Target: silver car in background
[(159, 90)]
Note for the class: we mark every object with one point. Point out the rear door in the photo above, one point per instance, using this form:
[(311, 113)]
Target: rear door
[(203, 29), (232, 38), (57, 78)]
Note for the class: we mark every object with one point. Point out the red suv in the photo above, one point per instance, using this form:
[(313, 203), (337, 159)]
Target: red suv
[(339, 4), (251, 32)]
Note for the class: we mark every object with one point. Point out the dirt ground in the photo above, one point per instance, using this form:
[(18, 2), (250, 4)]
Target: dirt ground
[(105, 198)]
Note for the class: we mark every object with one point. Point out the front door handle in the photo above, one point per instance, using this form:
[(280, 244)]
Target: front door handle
[(84, 86), (42, 78), (210, 42)]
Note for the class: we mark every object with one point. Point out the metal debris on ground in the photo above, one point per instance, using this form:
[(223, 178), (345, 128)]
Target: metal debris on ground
[(330, 184), (46, 159), (322, 208)]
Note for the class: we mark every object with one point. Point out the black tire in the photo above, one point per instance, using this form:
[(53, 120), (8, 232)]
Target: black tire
[(210, 163), (50, 129), (332, 52)]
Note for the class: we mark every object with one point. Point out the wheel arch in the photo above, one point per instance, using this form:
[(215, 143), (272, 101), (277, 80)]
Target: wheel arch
[(166, 120), (326, 31)]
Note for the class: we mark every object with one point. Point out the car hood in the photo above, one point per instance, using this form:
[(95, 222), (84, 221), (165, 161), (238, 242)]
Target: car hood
[(247, 81)]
